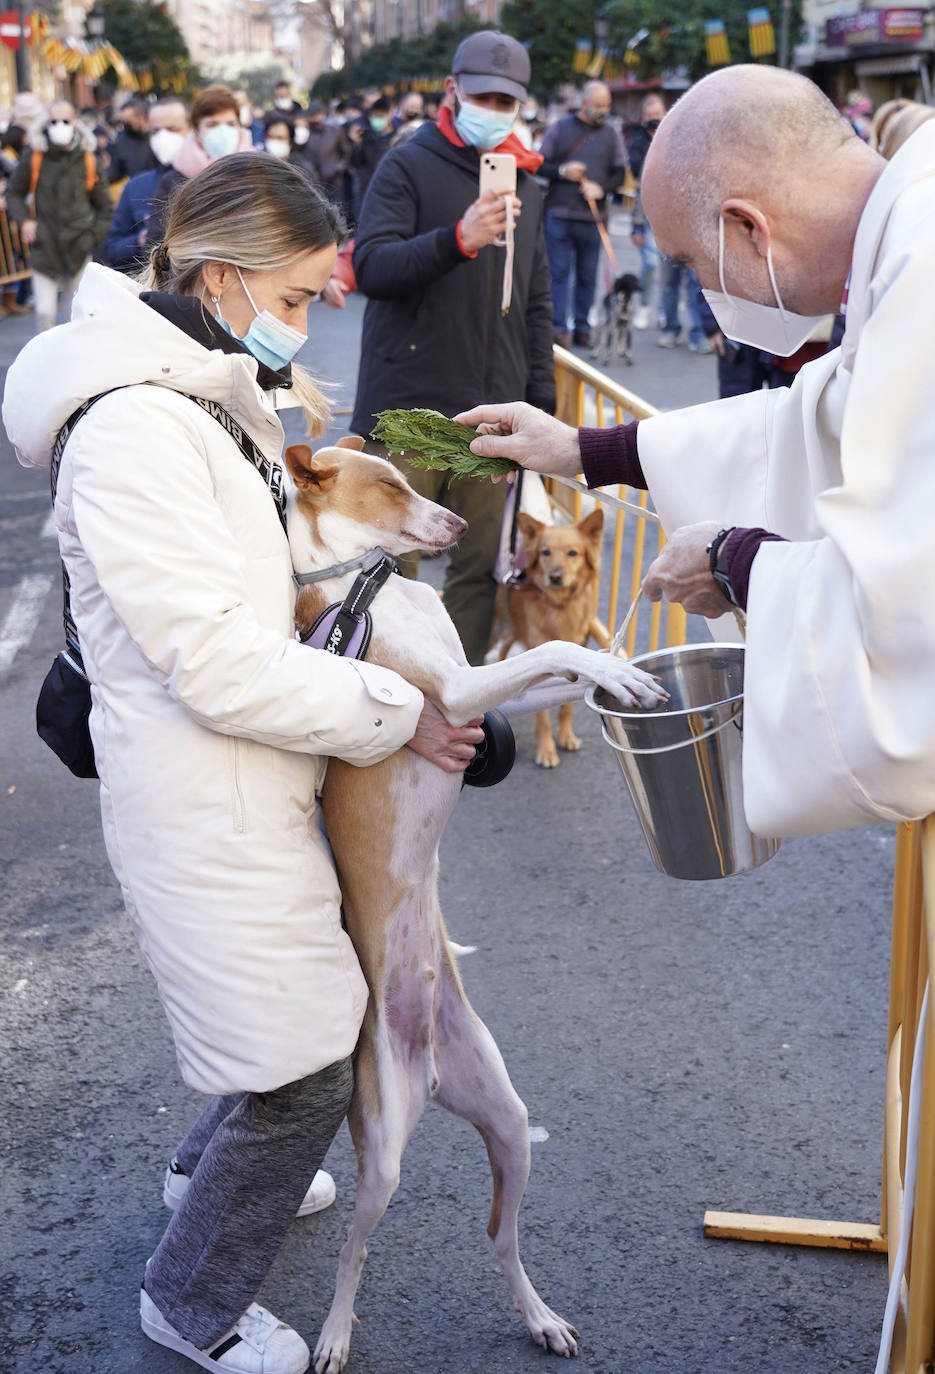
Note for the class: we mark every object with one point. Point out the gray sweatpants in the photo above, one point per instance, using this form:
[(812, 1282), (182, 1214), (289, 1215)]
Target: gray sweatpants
[(250, 1158)]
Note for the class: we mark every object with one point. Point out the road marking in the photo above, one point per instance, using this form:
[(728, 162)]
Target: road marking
[(17, 629)]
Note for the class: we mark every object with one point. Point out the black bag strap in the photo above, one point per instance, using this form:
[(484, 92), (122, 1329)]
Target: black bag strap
[(271, 472)]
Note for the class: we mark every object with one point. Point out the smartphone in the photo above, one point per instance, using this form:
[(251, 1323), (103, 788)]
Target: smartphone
[(498, 173)]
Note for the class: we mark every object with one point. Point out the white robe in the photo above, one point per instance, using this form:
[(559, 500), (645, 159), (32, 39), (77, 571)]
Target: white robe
[(839, 722)]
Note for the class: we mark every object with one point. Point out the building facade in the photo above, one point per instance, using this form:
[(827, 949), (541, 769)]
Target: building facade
[(885, 52)]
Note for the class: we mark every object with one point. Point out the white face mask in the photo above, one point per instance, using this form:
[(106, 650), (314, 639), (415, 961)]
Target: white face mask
[(278, 147), (284, 102), (60, 133), (772, 328), (166, 145), (246, 116), (300, 134)]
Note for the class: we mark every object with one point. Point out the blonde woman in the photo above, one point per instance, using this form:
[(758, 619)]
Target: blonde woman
[(902, 126), (211, 724)]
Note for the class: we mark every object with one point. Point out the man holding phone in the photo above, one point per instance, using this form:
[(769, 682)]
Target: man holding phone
[(430, 255)]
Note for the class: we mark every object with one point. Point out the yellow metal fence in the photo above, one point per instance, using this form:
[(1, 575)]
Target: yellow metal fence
[(14, 255), (586, 396)]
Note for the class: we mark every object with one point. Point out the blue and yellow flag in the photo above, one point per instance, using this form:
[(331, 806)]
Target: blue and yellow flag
[(762, 38), (716, 43), (582, 57)]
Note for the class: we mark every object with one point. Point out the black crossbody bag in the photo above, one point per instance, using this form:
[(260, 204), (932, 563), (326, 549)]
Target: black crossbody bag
[(64, 703)]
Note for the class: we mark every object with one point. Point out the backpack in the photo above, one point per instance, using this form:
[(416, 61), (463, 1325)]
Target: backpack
[(90, 174)]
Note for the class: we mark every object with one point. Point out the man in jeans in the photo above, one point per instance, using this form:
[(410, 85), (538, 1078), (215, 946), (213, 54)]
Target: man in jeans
[(584, 159), (63, 207)]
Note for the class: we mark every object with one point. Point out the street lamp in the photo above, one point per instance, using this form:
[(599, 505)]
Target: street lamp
[(95, 23), (601, 28)]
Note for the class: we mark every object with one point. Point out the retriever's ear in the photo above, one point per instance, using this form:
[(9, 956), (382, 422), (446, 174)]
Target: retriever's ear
[(529, 527), (350, 441), (592, 526), (310, 473)]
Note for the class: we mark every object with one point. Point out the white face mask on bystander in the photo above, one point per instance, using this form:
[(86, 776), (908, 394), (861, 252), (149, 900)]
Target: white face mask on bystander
[(772, 328)]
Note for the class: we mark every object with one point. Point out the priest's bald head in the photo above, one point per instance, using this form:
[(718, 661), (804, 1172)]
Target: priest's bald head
[(760, 156)]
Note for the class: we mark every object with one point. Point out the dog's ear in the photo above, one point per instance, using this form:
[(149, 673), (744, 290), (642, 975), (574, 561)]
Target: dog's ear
[(529, 528), (592, 527), (350, 441), (309, 472)]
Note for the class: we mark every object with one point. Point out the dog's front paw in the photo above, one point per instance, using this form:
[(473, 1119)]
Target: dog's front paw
[(547, 755), (631, 685), (567, 739)]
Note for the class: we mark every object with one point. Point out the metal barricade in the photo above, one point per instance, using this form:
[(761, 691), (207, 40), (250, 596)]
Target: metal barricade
[(14, 255), (913, 955), (585, 396)]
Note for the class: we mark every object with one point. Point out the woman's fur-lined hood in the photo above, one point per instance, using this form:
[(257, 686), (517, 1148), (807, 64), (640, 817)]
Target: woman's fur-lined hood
[(38, 140)]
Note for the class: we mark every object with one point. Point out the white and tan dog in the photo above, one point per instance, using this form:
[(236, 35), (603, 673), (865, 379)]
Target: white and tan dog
[(420, 1037)]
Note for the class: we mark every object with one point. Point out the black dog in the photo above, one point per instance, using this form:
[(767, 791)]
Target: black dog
[(613, 337)]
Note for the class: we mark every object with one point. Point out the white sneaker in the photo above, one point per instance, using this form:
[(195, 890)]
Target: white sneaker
[(258, 1344), (642, 317), (667, 341), (320, 1195), (700, 346)]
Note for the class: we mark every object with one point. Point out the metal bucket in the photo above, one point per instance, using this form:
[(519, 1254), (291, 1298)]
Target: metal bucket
[(682, 763)]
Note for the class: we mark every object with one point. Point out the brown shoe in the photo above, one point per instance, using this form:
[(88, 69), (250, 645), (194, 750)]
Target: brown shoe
[(560, 337), (583, 338), (15, 309)]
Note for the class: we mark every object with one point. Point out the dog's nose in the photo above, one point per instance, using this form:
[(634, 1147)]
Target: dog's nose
[(555, 577), (458, 526)]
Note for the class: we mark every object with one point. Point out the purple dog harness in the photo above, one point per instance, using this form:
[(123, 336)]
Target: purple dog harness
[(344, 628)]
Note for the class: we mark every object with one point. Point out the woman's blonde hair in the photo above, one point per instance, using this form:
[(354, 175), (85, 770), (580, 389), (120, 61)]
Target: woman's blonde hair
[(257, 213)]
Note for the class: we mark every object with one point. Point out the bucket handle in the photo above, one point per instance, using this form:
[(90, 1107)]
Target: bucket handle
[(682, 744), (617, 642)]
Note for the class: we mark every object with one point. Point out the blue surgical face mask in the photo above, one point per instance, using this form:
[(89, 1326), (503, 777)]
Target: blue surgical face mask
[(480, 127), (269, 339), (221, 140)]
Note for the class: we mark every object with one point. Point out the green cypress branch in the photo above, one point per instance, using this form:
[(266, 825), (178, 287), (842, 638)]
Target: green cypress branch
[(427, 439)]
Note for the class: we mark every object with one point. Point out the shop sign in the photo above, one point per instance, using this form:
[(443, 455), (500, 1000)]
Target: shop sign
[(875, 26)]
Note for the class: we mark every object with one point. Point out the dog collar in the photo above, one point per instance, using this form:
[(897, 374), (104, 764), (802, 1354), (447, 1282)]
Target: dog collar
[(368, 562), (344, 629)]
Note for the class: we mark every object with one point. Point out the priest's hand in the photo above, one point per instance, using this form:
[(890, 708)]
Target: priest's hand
[(682, 572), (526, 434)]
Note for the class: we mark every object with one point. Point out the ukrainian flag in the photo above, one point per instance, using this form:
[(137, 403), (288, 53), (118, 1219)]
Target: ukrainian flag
[(762, 38), (716, 43)]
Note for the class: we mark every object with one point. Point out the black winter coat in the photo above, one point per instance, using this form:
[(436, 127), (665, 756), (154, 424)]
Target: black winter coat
[(433, 334), (71, 221)]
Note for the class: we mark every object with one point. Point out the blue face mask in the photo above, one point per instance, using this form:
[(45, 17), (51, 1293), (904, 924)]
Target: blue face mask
[(480, 127), (269, 339), (220, 140)]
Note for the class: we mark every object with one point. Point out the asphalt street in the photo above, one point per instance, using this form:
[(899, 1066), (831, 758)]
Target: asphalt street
[(680, 1046)]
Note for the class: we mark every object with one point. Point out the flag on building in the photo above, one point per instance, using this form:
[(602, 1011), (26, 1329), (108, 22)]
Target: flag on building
[(715, 36), (582, 57), (762, 38)]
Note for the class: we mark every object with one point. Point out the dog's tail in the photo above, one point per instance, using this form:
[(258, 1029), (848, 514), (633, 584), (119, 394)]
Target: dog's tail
[(459, 951)]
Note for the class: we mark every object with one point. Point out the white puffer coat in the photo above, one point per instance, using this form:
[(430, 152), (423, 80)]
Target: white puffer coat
[(210, 721)]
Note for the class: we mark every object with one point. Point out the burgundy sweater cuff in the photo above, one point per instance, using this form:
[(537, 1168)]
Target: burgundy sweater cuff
[(610, 455), (739, 550)]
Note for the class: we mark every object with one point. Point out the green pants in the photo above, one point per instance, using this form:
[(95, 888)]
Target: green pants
[(469, 583)]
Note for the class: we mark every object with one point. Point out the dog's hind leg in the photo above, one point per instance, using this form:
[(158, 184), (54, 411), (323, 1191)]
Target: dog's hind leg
[(475, 1085), (389, 1096)]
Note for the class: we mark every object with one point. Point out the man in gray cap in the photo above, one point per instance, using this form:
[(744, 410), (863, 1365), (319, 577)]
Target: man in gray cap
[(439, 330)]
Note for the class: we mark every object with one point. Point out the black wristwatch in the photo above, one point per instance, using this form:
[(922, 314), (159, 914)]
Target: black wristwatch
[(716, 563)]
